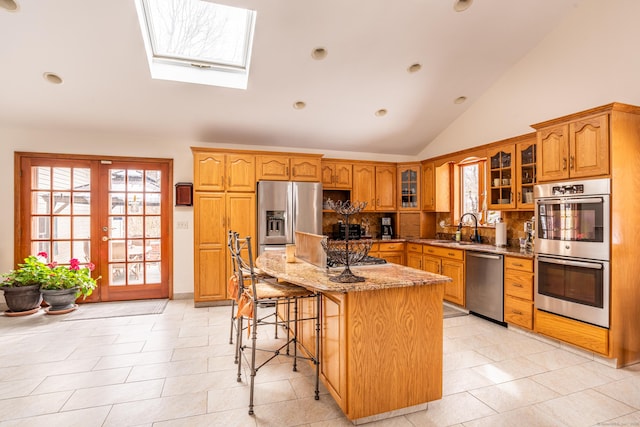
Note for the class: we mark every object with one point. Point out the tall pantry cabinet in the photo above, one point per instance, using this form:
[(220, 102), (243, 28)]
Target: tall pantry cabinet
[(224, 199)]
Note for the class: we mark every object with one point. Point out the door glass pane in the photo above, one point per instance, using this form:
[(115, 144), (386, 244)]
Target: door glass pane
[(81, 227), (134, 226), (81, 179), (61, 227), (134, 204), (41, 178), (153, 250), (116, 227), (117, 252), (134, 180), (153, 272), (61, 203), (82, 250), (153, 181), (152, 204), (40, 202), (61, 252), (40, 228), (116, 203), (81, 203), (41, 246), (152, 226), (116, 180), (61, 178)]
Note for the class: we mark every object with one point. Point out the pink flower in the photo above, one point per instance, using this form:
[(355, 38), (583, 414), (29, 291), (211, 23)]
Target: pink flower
[(53, 264), (91, 266), (43, 255), (75, 264)]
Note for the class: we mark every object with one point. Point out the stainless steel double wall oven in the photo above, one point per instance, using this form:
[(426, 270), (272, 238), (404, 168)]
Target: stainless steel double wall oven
[(572, 249)]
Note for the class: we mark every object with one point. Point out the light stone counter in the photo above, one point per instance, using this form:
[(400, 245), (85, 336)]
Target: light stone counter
[(379, 276)]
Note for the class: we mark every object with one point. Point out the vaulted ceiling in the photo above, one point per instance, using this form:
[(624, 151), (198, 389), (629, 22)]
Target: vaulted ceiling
[(96, 47)]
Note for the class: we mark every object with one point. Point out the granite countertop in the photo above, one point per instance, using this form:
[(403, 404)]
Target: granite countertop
[(472, 246), (379, 276)]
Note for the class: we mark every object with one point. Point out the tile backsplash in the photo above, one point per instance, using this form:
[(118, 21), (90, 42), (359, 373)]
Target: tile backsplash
[(515, 228)]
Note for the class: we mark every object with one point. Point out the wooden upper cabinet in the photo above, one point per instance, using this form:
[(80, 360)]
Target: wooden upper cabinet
[(364, 185), (376, 185), (576, 149), (501, 177), (436, 192), (223, 171), (409, 187), (337, 175), (589, 147), (428, 186), (241, 172), (386, 188), (288, 168), (208, 171), (526, 173)]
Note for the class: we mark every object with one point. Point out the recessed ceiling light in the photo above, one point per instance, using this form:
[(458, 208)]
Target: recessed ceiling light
[(52, 78), (299, 105), (414, 68), (460, 100), (381, 112), (9, 5), (319, 53), (462, 5)]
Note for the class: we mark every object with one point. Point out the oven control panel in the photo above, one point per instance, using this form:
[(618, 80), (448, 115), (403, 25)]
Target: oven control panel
[(559, 190)]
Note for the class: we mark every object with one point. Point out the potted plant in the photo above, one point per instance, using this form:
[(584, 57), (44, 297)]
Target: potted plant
[(22, 286), (66, 283)]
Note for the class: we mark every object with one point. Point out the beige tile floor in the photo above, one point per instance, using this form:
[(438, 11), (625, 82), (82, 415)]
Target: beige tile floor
[(176, 369)]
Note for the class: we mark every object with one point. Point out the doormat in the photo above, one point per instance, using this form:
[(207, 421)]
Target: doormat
[(101, 310), (449, 311)]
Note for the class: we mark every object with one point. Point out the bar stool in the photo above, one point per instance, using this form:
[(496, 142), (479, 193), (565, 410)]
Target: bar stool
[(233, 289), (252, 297)]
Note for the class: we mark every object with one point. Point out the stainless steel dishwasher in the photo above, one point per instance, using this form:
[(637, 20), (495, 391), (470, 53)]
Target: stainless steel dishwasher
[(484, 283)]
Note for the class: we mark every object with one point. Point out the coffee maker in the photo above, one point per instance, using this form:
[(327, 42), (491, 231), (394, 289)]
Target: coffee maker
[(386, 229)]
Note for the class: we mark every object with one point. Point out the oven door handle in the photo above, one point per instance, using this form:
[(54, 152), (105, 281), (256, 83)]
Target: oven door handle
[(591, 265), (570, 200)]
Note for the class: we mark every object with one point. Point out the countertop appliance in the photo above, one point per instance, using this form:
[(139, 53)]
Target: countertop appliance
[(484, 283), (285, 207), (386, 228)]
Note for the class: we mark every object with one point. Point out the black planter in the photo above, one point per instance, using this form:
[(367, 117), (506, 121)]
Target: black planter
[(22, 298), (60, 299)]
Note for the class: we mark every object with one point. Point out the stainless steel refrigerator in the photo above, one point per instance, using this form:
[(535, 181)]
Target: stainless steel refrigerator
[(285, 207)]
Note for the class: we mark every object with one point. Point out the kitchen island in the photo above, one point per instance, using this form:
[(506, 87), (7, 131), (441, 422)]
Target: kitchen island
[(381, 339)]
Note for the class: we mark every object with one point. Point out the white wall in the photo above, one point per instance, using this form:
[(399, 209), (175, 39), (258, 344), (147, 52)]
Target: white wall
[(590, 59)]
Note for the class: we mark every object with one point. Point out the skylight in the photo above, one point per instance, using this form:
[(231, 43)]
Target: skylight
[(197, 41)]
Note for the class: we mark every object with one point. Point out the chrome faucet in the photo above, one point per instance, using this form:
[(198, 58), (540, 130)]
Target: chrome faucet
[(475, 237)]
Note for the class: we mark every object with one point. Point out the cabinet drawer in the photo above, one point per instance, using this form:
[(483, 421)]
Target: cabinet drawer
[(581, 334), (374, 247), (519, 312), (414, 247), (390, 247), (444, 252), (518, 285), (515, 263)]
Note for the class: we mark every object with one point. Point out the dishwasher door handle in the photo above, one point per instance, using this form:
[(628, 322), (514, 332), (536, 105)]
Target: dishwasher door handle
[(485, 256)]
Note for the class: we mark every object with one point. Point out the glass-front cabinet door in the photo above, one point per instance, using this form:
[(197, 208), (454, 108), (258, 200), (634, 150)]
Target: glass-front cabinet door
[(526, 173), (501, 177), (409, 187)]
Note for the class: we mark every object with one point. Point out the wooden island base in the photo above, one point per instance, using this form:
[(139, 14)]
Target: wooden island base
[(381, 340)]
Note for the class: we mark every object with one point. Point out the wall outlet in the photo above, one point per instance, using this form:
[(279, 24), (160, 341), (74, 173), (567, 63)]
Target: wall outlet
[(182, 225)]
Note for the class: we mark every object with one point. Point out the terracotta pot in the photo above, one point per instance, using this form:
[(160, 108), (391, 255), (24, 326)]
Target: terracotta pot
[(60, 299), (22, 298)]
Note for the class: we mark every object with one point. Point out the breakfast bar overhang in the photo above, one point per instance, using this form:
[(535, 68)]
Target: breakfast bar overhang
[(380, 340)]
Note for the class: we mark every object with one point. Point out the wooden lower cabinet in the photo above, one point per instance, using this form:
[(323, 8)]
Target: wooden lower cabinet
[(518, 291), (448, 262), (391, 252), (361, 329), (214, 215), (590, 337)]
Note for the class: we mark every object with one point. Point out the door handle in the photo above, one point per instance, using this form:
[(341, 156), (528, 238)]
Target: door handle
[(571, 162), (564, 163), (105, 238)]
